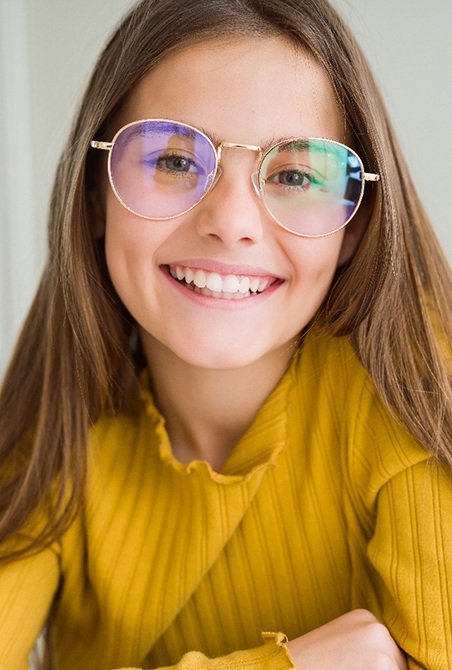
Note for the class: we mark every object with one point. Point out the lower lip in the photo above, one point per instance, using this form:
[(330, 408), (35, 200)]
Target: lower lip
[(222, 303)]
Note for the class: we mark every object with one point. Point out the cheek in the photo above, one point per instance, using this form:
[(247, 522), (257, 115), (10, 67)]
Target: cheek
[(120, 242), (314, 263), (126, 235), (315, 260), (129, 248)]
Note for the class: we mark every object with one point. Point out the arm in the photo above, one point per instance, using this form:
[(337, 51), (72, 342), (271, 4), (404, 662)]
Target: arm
[(412, 553), (273, 654), (351, 642), (27, 588)]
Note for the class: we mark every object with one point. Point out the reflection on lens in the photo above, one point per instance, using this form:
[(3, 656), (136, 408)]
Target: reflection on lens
[(160, 169), (311, 186)]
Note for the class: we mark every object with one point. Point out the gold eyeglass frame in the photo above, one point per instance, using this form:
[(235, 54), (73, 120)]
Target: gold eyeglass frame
[(256, 180)]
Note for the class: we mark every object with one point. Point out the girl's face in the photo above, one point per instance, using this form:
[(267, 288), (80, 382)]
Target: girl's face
[(249, 91)]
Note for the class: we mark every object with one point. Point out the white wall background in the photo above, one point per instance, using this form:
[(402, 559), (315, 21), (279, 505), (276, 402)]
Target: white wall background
[(47, 48)]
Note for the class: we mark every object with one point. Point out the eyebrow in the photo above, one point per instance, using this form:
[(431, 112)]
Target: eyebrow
[(139, 130), (184, 131), (301, 141), (142, 129), (293, 143)]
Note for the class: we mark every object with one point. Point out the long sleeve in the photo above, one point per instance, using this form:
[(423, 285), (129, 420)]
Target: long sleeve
[(397, 503), (399, 513), (272, 655), (27, 588), (415, 566)]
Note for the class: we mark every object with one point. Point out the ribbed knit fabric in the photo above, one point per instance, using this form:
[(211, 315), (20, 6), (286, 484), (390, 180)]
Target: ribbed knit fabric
[(325, 505)]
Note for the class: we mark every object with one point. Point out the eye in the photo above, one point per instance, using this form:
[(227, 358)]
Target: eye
[(293, 178), (176, 163)]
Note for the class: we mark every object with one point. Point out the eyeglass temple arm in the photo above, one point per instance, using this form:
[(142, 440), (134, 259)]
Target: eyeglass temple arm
[(101, 145), (369, 176)]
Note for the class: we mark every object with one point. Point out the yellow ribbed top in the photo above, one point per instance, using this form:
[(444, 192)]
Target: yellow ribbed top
[(325, 505)]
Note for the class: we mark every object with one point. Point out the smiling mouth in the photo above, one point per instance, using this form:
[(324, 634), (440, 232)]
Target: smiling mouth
[(215, 285)]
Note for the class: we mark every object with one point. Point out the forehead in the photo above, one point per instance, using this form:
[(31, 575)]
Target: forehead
[(247, 90)]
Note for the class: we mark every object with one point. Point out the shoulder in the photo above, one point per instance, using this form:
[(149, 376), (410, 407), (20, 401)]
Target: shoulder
[(123, 444), (339, 391)]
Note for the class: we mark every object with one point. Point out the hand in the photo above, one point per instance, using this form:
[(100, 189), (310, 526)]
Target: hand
[(353, 641)]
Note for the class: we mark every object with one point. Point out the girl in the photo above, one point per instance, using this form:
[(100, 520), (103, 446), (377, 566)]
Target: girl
[(229, 411)]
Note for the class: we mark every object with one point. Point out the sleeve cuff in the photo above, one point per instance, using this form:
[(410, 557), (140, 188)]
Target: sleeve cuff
[(273, 654)]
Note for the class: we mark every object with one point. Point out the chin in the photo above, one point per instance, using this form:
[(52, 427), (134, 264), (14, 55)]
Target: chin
[(209, 353), (218, 360)]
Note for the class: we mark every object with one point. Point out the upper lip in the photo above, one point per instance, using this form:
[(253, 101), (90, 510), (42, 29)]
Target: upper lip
[(209, 265)]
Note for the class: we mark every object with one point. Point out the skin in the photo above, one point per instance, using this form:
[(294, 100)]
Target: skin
[(214, 362)]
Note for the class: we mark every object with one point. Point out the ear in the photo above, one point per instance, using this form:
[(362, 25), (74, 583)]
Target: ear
[(96, 189), (96, 202), (354, 230), (352, 237)]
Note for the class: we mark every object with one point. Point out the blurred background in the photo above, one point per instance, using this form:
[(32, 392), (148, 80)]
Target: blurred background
[(47, 48)]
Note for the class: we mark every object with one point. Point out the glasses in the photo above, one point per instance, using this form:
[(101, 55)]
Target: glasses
[(160, 169)]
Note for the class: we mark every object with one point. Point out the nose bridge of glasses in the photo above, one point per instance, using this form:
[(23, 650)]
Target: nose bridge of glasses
[(246, 147), (236, 145)]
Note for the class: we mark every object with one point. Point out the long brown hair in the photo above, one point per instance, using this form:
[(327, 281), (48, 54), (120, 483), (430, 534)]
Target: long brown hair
[(74, 357)]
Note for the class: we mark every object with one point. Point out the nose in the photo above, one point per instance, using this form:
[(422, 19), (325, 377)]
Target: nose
[(232, 212)]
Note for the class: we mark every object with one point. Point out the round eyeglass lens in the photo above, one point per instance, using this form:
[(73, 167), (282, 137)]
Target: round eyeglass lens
[(160, 169), (311, 186)]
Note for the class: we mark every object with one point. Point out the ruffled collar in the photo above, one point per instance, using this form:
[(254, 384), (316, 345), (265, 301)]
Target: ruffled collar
[(257, 450)]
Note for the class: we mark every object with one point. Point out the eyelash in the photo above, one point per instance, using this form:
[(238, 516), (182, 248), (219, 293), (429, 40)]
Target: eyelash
[(158, 164), (309, 176)]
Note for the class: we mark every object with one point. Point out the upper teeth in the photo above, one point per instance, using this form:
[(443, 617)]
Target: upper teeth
[(220, 283)]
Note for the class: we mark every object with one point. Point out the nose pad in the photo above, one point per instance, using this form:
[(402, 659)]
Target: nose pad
[(215, 179), (254, 181), (256, 184)]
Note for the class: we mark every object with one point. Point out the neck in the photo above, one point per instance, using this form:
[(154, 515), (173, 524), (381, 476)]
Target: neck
[(207, 411)]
